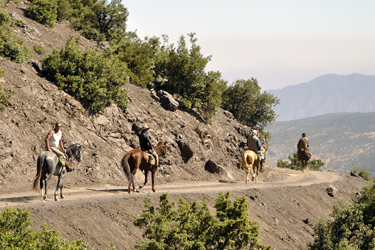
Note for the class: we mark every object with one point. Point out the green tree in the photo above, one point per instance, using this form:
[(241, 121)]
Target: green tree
[(95, 80), (246, 102), (293, 163), (44, 11), (16, 233), (352, 227), (194, 227), (99, 20), (138, 56), (185, 71)]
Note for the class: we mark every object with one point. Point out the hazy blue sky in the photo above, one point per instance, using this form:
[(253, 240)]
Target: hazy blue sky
[(278, 42)]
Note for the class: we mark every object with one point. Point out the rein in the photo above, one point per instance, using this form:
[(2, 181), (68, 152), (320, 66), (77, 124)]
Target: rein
[(73, 161)]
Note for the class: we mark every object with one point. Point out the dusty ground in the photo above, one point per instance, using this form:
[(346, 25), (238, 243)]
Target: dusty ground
[(279, 203), (97, 207)]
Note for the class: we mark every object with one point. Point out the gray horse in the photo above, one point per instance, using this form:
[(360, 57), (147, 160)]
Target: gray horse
[(47, 166)]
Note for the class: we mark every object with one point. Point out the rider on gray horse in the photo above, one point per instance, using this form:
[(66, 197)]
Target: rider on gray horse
[(53, 141)]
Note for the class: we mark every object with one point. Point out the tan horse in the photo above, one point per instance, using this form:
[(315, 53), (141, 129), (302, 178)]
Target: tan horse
[(304, 157), (137, 159), (250, 161)]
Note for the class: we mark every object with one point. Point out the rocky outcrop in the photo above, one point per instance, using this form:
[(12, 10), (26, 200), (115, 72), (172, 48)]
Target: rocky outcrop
[(167, 101)]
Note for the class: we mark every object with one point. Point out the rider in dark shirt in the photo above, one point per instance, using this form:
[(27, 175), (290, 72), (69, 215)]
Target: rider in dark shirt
[(145, 143)]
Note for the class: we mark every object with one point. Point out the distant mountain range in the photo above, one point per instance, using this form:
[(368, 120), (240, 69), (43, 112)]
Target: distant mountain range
[(342, 141), (326, 94)]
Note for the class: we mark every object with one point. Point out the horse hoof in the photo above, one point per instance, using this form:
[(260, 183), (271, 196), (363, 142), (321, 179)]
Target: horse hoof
[(153, 190), (140, 187), (56, 198), (62, 196), (44, 197)]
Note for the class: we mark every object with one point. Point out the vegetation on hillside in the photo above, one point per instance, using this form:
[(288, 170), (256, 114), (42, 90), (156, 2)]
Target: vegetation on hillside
[(352, 227), (345, 139), (183, 68), (95, 80), (194, 227), (10, 46), (251, 107), (293, 163), (16, 233), (363, 173)]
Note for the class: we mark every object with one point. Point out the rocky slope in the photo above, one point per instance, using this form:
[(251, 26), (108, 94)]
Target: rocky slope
[(106, 136)]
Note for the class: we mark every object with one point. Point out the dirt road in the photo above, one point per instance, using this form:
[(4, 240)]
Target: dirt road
[(288, 178)]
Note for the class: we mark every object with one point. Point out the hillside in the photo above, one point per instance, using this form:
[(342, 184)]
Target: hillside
[(326, 94), (342, 141)]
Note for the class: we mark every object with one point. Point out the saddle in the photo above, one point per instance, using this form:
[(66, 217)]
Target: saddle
[(151, 159), (306, 152), (64, 163), (258, 155)]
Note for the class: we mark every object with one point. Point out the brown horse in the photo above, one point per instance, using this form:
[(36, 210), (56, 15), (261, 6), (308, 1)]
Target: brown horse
[(137, 159), (250, 161), (304, 157)]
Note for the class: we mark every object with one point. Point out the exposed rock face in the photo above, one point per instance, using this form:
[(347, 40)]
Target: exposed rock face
[(106, 135), (167, 101), (212, 167)]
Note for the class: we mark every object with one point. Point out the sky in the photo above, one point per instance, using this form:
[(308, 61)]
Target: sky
[(279, 43)]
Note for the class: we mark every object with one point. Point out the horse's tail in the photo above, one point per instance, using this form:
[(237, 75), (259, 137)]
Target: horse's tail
[(126, 167), (39, 168)]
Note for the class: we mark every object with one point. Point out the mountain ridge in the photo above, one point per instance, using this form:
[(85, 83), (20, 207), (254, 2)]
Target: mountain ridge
[(326, 94)]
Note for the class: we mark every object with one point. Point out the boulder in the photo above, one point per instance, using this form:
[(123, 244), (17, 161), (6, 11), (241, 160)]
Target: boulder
[(167, 101), (331, 191), (186, 149), (213, 167), (38, 66)]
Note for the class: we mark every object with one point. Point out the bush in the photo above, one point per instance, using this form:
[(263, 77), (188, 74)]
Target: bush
[(93, 79), (248, 105), (363, 173), (39, 49), (293, 163), (44, 11), (138, 56), (16, 233), (10, 46), (352, 227), (4, 95), (194, 227), (185, 70)]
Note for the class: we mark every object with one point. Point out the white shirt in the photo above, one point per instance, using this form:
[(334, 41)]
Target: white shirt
[(55, 139)]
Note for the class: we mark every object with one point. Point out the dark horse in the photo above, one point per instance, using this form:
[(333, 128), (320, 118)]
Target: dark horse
[(304, 157), (47, 166), (137, 159)]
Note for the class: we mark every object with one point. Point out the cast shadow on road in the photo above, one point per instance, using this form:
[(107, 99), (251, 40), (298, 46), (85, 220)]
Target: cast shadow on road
[(24, 199), (115, 191)]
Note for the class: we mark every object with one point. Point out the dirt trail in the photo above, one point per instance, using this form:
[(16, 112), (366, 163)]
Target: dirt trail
[(290, 178)]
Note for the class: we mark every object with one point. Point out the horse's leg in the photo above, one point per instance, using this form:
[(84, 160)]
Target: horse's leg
[(144, 184), (41, 185), (153, 178), (247, 174), (57, 188), (60, 185), (49, 177)]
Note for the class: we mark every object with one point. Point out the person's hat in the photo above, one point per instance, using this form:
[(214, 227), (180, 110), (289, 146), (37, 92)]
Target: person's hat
[(255, 132), (145, 127)]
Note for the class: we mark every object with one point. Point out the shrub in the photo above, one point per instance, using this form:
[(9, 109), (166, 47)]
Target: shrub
[(293, 163), (39, 49), (44, 11), (185, 70), (352, 227), (363, 173), (16, 233), (93, 79), (194, 227), (246, 102), (11, 46), (4, 95)]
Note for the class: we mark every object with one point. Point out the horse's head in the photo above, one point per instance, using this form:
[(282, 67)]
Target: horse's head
[(264, 151), (75, 151), (161, 148)]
